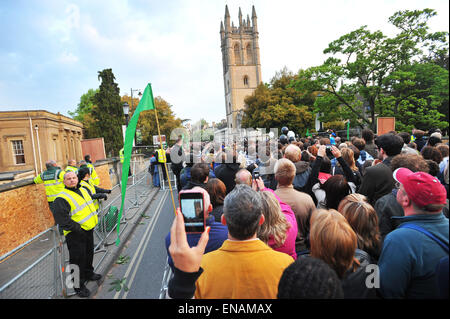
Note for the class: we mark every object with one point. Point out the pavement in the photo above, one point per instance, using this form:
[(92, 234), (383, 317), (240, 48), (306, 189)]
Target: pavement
[(30, 272), (108, 252)]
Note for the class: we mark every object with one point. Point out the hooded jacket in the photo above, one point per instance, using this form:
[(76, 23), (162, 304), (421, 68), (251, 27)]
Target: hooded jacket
[(303, 171)]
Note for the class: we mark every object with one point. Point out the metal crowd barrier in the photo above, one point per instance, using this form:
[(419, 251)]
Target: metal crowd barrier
[(164, 184), (44, 258), (168, 274), (39, 276)]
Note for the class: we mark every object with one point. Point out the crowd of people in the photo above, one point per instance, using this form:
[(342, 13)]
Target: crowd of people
[(315, 219)]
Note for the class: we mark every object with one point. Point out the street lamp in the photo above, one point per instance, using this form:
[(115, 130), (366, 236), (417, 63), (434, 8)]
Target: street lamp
[(140, 94), (126, 110)]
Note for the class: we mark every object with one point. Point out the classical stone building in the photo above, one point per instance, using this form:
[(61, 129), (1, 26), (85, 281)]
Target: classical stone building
[(30, 138), (241, 63)]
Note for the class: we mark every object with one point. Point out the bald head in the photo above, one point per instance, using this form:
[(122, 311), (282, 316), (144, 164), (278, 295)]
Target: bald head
[(70, 179), (293, 153), (243, 176)]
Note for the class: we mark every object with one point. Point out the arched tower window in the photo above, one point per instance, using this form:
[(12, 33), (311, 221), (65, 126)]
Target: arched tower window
[(237, 54), (245, 80), (249, 53)]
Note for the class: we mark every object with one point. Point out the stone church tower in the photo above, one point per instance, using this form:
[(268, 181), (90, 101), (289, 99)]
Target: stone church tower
[(241, 63)]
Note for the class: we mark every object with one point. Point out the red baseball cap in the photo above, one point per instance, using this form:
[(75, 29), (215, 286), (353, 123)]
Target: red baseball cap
[(422, 188)]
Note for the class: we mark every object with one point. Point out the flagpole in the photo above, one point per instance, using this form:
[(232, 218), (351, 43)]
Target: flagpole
[(165, 164)]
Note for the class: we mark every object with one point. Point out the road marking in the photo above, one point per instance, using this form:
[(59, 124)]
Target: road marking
[(144, 241)]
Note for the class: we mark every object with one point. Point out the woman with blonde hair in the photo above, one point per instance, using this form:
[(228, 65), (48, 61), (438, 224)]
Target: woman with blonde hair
[(279, 230), (363, 219), (334, 241)]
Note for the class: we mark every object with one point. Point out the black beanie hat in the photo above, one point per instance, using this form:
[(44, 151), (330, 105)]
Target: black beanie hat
[(309, 278), (82, 172)]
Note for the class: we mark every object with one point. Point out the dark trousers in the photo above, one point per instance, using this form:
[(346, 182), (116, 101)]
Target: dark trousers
[(81, 252)]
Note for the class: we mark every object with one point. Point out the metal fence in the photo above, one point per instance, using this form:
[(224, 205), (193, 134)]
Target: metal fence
[(36, 269)]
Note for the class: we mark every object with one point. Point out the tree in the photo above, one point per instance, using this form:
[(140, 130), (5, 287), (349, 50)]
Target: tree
[(358, 76), (83, 114), (279, 104), (108, 113), (147, 120), (418, 93)]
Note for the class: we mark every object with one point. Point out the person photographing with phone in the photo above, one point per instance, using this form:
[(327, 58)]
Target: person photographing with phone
[(242, 268), (195, 206)]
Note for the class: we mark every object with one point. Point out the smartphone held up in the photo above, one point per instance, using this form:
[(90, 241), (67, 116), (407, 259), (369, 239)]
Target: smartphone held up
[(192, 206)]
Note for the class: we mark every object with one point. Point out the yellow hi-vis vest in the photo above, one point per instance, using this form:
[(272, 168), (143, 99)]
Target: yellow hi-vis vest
[(94, 177), (53, 182), (72, 169), (88, 185), (121, 155), (82, 209), (161, 156)]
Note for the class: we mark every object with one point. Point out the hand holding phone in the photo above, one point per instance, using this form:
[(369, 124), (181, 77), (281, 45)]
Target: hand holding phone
[(185, 258), (192, 206)]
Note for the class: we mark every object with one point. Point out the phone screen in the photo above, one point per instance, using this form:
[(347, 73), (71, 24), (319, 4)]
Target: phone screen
[(191, 205)]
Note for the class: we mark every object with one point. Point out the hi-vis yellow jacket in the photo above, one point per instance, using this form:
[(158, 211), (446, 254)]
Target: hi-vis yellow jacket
[(94, 177), (72, 169), (121, 155), (82, 209), (90, 186), (53, 181), (161, 156)]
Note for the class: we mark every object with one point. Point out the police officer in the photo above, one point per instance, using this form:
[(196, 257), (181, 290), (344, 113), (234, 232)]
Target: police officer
[(53, 181), (75, 213)]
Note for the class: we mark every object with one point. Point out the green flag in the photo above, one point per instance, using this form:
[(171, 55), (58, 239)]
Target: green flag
[(307, 132), (146, 103)]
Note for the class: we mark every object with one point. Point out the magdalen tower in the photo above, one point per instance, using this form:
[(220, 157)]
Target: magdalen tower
[(241, 63)]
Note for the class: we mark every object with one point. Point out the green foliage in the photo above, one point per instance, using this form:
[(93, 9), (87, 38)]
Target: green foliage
[(83, 114), (122, 260), (108, 115), (370, 75), (279, 104), (118, 285), (85, 105), (147, 120)]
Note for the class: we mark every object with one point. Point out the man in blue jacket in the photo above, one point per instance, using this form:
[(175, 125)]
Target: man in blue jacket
[(409, 257)]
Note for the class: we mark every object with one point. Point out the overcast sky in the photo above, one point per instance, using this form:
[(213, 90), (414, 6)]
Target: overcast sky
[(51, 51)]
